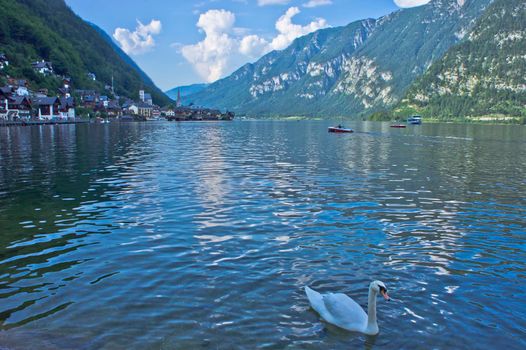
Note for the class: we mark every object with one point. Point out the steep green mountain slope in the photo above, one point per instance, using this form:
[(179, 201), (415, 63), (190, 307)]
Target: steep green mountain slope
[(483, 75), (354, 70), (186, 90), (49, 30)]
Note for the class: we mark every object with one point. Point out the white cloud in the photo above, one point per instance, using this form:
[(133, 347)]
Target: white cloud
[(211, 57), (316, 3), (410, 3), (225, 47), (253, 46), (139, 41), (272, 2), (289, 31)]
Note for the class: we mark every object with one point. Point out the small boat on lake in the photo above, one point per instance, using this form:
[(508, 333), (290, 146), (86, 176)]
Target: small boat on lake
[(340, 129), (415, 120), (399, 126)]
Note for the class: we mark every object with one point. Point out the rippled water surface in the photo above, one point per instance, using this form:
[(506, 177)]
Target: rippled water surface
[(203, 235)]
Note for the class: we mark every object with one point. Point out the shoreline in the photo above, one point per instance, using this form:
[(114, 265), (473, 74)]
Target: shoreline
[(41, 122), (465, 121)]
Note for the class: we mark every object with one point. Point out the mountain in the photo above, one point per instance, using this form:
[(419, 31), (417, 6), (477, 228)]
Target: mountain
[(354, 70), (33, 30), (186, 90), (123, 55), (484, 75)]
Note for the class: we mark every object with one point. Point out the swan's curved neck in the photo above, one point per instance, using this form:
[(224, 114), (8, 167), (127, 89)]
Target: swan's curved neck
[(371, 308)]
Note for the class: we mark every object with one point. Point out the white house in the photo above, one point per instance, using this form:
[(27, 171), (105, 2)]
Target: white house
[(168, 112), (43, 67), (67, 108), (22, 91), (133, 109), (3, 61)]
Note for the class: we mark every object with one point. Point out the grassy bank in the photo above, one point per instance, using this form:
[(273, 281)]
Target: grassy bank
[(484, 119)]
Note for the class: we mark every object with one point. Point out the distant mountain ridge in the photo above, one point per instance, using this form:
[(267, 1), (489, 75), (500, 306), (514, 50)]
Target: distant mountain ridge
[(484, 75), (185, 90), (32, 30), (352, 71)]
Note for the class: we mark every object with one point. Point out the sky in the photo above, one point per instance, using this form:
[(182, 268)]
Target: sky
[(181, 42)]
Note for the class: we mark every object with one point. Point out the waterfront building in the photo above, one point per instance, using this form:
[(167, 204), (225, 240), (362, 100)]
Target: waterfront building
[(48, 108), (19, 108), (145, 110), (67, 108)]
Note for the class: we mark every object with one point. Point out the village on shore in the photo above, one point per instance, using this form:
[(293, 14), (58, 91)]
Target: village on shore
[(19, 104)]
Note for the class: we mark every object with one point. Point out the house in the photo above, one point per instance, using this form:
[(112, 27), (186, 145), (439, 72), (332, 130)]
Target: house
[(168, 112), (104, 100), (48, 108), (130, 107), (20, 86), (43, 67), (67, 108), (90, 101), (145, 110), (114, 109), (3, 61), (156, 113), (18, 108)]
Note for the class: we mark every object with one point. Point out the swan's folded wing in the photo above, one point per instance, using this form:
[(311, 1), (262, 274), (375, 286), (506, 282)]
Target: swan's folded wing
[(344, 309), (316, 301)]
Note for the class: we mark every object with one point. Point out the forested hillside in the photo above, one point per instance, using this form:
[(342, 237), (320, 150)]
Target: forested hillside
[(484, 75), (48, 30)]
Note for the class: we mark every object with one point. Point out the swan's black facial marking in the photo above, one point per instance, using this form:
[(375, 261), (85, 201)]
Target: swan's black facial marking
[(383, 290)]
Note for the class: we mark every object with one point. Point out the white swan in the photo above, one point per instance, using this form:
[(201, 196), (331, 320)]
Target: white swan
[(342, 311)]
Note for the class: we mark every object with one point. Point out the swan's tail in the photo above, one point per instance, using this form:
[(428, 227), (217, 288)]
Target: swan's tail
[(316, 300)]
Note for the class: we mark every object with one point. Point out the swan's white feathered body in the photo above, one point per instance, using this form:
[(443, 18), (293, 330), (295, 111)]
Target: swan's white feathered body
[(340, 310)]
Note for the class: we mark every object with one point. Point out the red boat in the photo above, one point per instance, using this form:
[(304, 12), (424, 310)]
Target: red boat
[(340, 129), (399, 126)]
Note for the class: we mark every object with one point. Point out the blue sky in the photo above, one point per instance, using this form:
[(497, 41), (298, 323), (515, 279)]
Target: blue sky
[(180, 42)]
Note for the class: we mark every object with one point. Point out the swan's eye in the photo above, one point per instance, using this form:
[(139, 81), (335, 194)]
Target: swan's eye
[(383, 289)]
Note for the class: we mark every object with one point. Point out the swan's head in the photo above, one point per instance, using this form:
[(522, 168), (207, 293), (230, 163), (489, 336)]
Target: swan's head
[(379, 287)]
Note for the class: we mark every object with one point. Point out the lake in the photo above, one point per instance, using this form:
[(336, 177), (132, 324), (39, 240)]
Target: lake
[(203, 235)]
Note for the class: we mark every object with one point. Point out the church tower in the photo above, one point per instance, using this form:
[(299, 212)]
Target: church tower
[(179, 102)]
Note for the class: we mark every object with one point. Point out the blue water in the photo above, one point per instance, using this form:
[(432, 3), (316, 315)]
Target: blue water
[(203, 235)]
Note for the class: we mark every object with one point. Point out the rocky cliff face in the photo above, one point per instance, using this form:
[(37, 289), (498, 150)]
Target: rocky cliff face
[(483, 75), (363, 67), (305, 71)]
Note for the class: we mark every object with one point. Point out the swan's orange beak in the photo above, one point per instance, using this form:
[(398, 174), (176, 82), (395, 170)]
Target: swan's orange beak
[(385, 295)]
